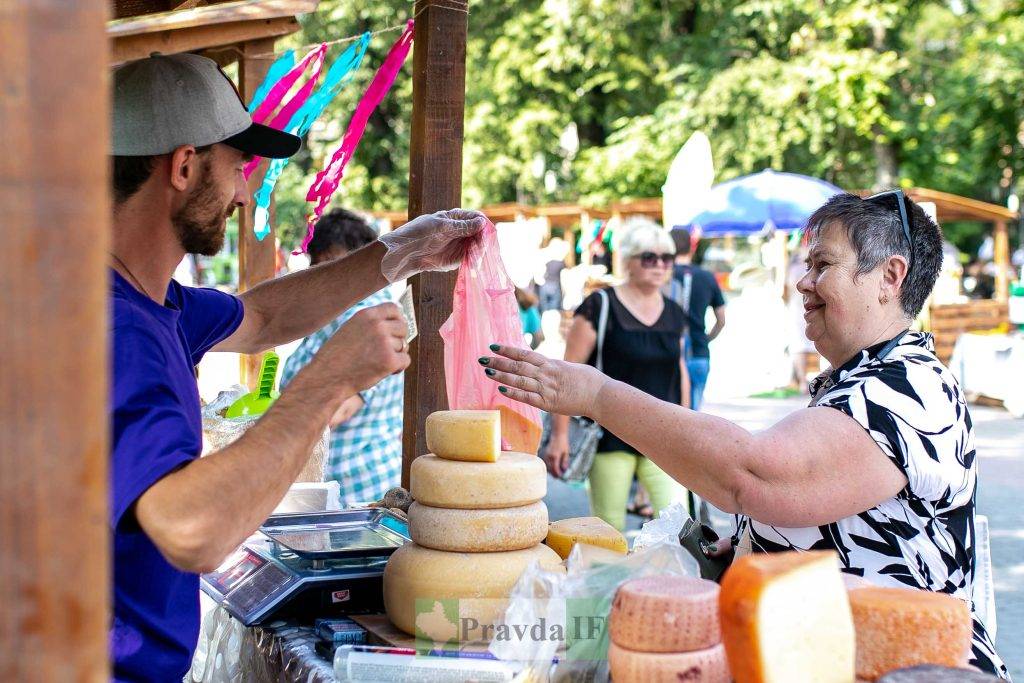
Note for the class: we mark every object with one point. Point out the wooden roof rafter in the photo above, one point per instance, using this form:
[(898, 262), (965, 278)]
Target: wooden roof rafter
[(206, 27)]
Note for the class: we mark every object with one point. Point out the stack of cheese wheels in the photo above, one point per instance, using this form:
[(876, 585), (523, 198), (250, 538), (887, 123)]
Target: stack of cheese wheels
[(477, 522), (665, 628)]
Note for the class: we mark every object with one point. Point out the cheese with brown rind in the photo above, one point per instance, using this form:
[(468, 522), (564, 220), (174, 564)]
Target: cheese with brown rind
[(475, 531), (903, 627), (701, 666), (473, 587), (565, 533), (665, 613), (471, 435), (515, 479), (785, 617)]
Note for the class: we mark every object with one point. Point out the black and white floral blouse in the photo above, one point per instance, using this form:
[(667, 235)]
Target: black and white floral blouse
[(914, 409)]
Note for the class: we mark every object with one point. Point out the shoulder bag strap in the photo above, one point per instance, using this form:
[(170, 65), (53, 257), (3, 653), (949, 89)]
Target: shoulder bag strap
[(602, 325)]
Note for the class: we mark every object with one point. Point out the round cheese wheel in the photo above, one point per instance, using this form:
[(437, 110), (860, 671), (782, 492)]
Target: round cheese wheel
[(665, 613), (475, 531), (455, 596), (515, 479), (702, 666)]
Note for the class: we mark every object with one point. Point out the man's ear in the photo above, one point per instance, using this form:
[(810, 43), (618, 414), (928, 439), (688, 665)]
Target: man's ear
[(184, 166)]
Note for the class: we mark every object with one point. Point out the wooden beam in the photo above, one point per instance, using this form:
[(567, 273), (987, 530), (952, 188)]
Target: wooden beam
[(1001, 257), (55, 561), (128, 48), (209, 15), (435, 183), (256, 259)]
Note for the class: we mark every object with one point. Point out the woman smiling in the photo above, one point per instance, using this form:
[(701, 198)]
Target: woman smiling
[(879, 468)]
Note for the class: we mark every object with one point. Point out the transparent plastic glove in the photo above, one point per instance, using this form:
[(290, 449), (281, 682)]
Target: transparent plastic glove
[(432, 242)]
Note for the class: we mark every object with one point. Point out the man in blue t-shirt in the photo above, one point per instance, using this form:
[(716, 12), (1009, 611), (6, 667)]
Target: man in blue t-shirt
[(181, 139), (695, 289)]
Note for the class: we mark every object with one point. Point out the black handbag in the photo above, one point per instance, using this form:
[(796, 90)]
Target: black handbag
[(584, 433)]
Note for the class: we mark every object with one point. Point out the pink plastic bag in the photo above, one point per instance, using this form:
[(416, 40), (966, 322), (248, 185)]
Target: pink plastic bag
[(485, 312)]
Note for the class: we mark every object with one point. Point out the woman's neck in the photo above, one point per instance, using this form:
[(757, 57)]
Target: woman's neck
[(885, 333), (641, 291)]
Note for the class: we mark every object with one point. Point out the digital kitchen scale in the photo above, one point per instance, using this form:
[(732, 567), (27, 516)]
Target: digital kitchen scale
[(309, 565)]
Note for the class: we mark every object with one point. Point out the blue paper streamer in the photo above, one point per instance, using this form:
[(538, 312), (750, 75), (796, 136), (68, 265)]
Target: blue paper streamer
[(339, 75), (279, 68)]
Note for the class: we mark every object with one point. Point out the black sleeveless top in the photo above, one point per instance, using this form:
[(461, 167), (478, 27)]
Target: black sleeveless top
[(644, 357)]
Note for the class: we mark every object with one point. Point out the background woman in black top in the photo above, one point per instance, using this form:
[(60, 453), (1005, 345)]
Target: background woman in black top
[(641, 348)]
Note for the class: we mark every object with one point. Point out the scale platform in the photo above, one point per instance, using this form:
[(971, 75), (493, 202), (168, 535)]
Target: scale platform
[(309, 565)]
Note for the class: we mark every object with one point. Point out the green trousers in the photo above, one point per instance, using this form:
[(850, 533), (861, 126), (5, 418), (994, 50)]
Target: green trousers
[(611, 477)]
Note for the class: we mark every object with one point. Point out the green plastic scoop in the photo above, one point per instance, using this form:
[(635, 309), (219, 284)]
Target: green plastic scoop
[(257, 402)]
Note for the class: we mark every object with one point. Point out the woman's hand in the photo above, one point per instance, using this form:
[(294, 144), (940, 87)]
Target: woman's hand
[(556, 455), (551, 385)]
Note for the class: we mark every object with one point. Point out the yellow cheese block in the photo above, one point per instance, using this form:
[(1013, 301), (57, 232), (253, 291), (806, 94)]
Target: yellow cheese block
[(563, 534), (473, 435), (476, 531), (455, 596), (785, 617), (516, 479)]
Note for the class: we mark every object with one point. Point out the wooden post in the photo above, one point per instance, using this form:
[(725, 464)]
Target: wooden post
[(256, 259), (435, 183), (1001, 256), (55, 557)]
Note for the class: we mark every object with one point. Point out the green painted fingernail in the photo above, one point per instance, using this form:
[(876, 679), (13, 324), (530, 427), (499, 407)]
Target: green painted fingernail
[(503, 390), (483, 360), (495, 347), (713, 548), (489, 372)]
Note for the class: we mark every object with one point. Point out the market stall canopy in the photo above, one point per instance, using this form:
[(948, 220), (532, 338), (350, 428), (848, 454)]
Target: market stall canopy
[(759, 202)]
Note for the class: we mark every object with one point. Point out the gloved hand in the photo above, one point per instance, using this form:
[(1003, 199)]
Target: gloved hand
[(432, 242)]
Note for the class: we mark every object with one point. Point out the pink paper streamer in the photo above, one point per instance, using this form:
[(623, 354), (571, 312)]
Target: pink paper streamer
[(281, 119), (327, 180), (282, 87)]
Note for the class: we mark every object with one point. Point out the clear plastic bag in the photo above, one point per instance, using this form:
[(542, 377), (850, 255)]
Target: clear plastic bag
[(485, 312), (220, 431), (664, 529), (556, 624)]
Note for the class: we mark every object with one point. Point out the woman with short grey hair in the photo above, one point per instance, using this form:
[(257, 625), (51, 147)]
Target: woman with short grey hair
[(879, 468)]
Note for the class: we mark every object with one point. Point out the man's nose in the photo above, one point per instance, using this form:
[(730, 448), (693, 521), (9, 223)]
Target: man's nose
[(243, 197)]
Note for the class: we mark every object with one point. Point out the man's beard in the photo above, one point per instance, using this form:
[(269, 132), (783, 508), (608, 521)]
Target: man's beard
[(202, 221)]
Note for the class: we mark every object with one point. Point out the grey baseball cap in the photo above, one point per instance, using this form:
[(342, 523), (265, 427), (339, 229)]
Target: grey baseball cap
[(166, 101)]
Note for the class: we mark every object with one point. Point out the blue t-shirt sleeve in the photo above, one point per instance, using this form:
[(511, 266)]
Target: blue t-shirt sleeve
[(716, 292), (151, 433), (208, 316)]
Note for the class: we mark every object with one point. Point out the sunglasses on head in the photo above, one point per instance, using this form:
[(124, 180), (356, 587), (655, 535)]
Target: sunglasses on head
[(649, 259), (901, 204)]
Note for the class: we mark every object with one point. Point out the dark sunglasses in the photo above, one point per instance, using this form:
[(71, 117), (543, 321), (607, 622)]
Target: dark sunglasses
[(649, 259), (901, 201)]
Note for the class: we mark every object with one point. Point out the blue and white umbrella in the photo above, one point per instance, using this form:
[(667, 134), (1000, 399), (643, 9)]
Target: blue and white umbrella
[(761, 202)]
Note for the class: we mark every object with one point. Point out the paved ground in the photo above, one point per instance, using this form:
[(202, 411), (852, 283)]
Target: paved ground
[(1000, 493)]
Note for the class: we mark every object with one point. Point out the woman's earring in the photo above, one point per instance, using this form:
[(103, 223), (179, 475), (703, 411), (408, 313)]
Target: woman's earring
[(884, 300)]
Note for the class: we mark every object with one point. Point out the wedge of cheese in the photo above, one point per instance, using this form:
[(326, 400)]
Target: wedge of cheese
[(700, 666), (665, 613), (473, 435), (904, 627), (478, 531), (565, 533), (785, 617), (516, 479)]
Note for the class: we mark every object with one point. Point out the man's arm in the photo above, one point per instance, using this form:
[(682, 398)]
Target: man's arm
[(719, 322), (284, 309), (293, 306), (198, 514)]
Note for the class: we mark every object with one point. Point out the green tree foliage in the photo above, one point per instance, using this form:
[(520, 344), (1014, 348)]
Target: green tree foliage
[(571, 100)]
